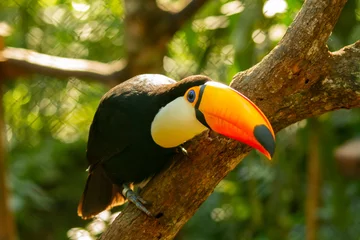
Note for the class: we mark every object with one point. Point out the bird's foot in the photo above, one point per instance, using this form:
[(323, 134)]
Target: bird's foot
[(139, 202)]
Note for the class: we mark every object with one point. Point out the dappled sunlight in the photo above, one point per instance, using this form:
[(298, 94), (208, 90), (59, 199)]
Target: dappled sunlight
[(276, 32), (232, 8), (95, 228), (171, 5), (80, 6), (272, 7), (54, 15), (60, 112), (210, 23), (228, 53), (258, 36), (79, 234)]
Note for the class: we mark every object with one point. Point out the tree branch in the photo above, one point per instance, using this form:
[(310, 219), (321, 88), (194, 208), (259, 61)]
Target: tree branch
[(295, 81), (345, 64), (145, 48), (15, 62), (313, 191)]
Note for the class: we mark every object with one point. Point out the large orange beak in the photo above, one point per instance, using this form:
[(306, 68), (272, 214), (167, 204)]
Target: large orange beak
[(228, 112)]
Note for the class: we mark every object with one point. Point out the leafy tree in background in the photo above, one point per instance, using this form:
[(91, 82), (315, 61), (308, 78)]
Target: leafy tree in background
[(47, 119)]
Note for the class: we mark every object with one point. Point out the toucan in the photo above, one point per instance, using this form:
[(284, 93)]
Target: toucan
[(141, 123)]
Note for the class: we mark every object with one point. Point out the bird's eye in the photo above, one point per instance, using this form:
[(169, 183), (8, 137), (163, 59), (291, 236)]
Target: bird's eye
[(191, 96)]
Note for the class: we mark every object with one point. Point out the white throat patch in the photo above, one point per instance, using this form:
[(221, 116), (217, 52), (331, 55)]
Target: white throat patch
[(175, 124)]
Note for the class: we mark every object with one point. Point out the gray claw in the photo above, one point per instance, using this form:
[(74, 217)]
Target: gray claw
[(135, 199), (143, 201), (184, 151)]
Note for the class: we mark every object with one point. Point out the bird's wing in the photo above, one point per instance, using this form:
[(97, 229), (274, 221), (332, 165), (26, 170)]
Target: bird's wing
[(108, 135), (110, 131)]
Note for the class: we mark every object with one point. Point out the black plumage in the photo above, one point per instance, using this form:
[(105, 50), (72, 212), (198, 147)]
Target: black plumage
[(120, 146)]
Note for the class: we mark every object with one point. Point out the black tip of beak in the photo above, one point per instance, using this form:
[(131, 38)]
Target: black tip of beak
[(265, 138)]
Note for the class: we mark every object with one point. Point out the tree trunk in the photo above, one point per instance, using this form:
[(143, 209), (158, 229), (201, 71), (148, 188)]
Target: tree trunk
[(313, 181), (7, 228)]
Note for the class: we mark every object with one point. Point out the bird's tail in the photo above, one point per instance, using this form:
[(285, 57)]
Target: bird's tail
[(99, 194)]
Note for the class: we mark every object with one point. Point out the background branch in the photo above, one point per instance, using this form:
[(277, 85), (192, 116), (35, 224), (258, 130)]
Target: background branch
[(292, 83), (148, 31), (16, 62), (313, 192), (146, 48)]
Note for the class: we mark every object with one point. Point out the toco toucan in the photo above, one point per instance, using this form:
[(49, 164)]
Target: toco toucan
[(140, 123)]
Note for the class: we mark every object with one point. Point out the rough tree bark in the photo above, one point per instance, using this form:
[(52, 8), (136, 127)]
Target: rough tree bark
[(300, 78)]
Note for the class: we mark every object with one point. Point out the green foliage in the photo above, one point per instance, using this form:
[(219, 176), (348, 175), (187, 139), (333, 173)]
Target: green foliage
[(48, 119)]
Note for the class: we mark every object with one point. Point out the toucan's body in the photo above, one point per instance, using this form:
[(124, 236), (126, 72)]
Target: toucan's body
[(140, 123), (120, 132)]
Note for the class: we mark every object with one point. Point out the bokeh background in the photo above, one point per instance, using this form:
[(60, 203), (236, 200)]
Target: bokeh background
[(47, 121)]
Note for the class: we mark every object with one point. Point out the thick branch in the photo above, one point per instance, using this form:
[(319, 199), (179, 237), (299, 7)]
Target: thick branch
[(345, 63), (15, 62), (299, 62), (293, 82)]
